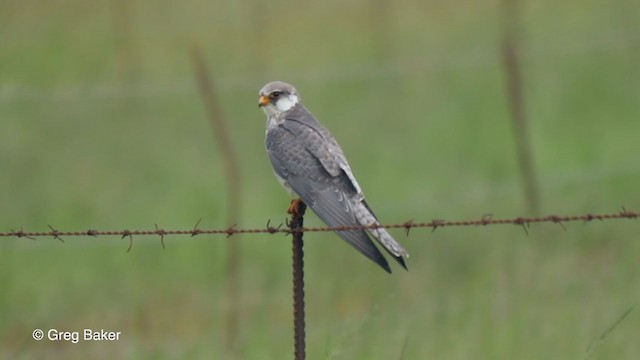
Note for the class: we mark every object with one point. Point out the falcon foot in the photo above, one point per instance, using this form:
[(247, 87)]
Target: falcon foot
[(297, 207)]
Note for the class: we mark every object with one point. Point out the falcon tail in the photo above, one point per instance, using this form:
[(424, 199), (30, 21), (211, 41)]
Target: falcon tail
[(361, 242), (366, 217), (334, 208), (399, 259)]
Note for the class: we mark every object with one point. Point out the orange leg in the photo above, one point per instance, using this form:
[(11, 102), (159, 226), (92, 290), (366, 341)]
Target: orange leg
[(296, 207)]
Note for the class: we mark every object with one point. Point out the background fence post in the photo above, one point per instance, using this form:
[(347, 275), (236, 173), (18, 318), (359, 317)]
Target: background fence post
[(517, 107), (233, 183)]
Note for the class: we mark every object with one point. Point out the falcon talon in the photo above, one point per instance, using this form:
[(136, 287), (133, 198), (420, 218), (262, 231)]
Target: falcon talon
[(296, 207), (309, 163)]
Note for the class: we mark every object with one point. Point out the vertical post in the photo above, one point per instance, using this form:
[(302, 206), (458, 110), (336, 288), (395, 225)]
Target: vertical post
[(514, 85), (122, 15), (233, 180), (381, 17), (256, 17), (295, 225)]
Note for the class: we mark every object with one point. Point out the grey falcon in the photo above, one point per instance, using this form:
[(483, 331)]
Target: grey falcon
[(308, 162)]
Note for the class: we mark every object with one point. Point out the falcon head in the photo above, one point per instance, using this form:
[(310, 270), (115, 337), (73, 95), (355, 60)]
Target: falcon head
[(277, 97)]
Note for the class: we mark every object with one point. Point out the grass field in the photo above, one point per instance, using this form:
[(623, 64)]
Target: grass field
[(102, 127)]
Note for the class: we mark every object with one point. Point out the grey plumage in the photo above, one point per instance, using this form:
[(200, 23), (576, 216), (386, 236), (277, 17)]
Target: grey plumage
[(310, 163)]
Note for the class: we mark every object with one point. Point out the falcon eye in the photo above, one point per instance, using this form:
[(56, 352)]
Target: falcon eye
[(275, 94)]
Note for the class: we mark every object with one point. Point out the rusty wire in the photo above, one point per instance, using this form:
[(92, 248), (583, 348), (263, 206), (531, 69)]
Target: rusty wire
[(485, 220)]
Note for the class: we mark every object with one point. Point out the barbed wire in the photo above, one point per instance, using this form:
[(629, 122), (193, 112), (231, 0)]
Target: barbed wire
[(485, 220)]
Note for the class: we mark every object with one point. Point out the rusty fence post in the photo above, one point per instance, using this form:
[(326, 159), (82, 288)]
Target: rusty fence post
[(295, 225)]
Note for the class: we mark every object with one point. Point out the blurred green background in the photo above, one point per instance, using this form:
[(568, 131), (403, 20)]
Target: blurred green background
[(102, 127)]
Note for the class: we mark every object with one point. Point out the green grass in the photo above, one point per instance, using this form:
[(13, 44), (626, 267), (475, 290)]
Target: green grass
[(101, 126)]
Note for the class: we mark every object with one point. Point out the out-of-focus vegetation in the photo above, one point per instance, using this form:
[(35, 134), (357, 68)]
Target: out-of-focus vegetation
[(101, 126)]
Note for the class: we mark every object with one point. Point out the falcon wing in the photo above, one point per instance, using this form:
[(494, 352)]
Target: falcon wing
[(320, 143), (288, 146)]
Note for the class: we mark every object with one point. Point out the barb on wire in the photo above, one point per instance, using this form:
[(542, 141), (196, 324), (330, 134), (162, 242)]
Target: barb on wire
[(231, 230), (55, 233), (195, 230), (435, 224), (522, 222), (272, 229), (558, 220), (486, 219), (407, 226), (162, 233), (21, 233), (628, 214), (126, 233)]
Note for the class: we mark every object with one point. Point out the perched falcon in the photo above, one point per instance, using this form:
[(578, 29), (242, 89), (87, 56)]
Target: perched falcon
[(309, 162)]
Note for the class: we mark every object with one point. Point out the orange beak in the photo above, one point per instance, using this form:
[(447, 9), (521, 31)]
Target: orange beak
[(264, 101)]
